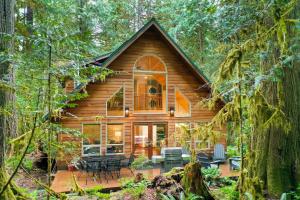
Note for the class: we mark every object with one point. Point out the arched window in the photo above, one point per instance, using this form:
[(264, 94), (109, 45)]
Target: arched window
[(150, 94)]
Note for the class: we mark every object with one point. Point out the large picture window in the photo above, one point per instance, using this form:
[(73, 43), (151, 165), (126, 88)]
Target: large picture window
[(150, 85), (91, 142), (115, 104), (115, 139), (182, 105)]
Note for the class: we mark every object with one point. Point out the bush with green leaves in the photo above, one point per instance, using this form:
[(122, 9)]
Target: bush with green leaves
[(188, 196), (227, 192), (13, 161), (211, 174), (142, 162), (97, 191), (232, 151), (295, 195), (135, 190)]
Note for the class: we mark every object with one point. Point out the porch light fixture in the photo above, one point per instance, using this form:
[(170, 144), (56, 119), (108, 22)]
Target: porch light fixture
[(172, 111), (126, 111)]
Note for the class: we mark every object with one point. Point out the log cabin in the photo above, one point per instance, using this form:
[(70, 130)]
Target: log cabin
[(156, 90)]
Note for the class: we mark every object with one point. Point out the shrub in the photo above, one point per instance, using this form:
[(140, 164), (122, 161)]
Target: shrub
[(97, 191), (136, 190), (230, 192), (13, 161), (141, 162), (232, 151), (211, 174)]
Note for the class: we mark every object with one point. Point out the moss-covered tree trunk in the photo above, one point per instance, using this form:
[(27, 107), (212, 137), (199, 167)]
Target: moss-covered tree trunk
[(7, 123), (276, 154), (193, 181)]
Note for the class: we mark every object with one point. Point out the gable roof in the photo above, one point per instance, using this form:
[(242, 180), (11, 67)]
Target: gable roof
[(106, 59)]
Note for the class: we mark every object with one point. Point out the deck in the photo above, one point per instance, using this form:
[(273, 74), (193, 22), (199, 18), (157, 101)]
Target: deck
[(64, 182)]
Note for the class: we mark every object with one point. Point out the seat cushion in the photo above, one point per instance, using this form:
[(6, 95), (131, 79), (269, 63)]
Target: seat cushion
[(186, 157)]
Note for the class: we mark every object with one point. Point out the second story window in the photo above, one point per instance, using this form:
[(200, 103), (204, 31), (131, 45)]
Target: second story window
[(150, 85)]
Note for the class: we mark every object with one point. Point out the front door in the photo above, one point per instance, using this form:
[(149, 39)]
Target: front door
[(148, 138)]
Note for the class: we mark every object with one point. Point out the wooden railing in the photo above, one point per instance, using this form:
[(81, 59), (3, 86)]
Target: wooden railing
[(148, 102)]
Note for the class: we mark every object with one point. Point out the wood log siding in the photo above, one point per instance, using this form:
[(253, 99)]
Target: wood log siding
[(178, 75)]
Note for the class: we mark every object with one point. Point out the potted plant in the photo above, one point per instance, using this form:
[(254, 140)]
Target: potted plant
[(73, 163)]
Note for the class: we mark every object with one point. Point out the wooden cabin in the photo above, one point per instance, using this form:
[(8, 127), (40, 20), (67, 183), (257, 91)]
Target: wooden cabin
[(155, 90)]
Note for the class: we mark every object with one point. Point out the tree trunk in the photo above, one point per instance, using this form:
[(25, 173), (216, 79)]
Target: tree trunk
[(193, 181), (276, 153), (29, 25), (7, 96)]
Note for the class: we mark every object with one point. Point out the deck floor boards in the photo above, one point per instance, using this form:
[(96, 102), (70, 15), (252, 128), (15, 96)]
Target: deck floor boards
[(64, 181)]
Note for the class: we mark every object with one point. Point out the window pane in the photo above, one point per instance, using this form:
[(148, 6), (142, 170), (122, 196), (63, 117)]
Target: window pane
[(115, 134), (91, 150), (149, 92), (149, 63), (159, 136), (115, 105), (91, 134), (182, 107)]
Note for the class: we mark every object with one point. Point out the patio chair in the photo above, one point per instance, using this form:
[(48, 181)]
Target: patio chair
[(81, 167), (219, 153), (112, 166), (173, 158), (206, 162), (127, 163), (186, 155), (235, 163), (94, 167)]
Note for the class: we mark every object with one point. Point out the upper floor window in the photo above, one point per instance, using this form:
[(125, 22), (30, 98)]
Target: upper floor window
[(115, 104), (182, 104), (150, 85)]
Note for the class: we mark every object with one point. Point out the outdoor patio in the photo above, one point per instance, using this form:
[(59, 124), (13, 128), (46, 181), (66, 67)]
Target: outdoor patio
[(64, 181)]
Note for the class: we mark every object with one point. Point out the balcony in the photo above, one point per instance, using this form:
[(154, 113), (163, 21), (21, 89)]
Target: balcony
[(148, 102)]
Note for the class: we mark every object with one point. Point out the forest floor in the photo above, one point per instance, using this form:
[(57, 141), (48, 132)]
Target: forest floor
[(24, 181)]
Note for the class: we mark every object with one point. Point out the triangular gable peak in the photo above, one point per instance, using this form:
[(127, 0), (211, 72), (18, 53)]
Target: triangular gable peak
[(151, 25)]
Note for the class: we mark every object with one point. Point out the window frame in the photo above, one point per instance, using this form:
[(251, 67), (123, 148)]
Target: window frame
[(190, 104), (142, 72), (123, 127), (123, 115), (91, 145)]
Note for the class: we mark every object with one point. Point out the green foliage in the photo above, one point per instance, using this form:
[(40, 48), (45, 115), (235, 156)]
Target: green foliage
[(212, 177), (141, 162), (232, 151), (134, 189), (188, 196), (292, 195), (97, 191), (227, 192), (211, 174), (13, 161)]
